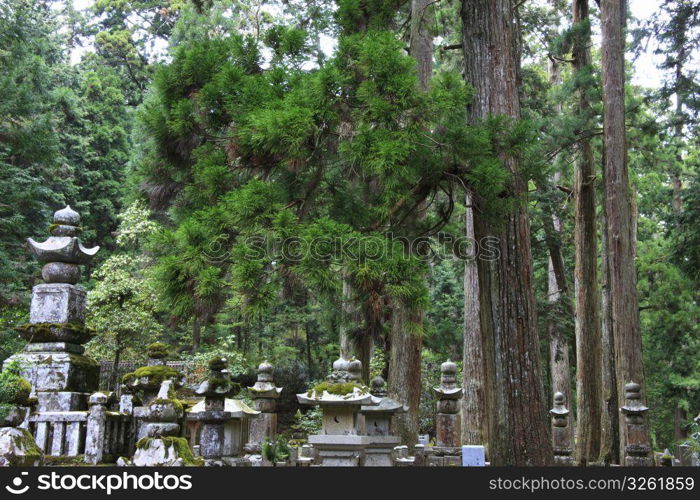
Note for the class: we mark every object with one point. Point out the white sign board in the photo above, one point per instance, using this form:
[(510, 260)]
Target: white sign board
[(473, 456)]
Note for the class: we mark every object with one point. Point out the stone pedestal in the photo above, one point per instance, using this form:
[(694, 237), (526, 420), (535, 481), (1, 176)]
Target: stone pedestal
[(561, 431), (58, 303), (343, 440)]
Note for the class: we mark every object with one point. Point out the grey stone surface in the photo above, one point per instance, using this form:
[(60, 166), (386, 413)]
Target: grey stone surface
[(60, 272), (157, 454), (17, 448), (57, 303)]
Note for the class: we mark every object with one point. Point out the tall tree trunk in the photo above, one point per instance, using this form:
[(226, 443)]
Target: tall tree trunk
[(353, 342), (517, 426), (623, 279), (405, 361), (588, 336), (473, 401), (676, 170), (404, 382), (610, 416)]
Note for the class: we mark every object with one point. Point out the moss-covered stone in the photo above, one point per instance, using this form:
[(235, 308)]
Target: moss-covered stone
[(179, 445), (336, 388), (218, 364), (14, 389), (155, 375), (158, 350)]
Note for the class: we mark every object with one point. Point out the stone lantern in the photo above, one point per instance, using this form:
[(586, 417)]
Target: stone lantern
[(447, 423), (378, 425), (62, 377), (561, 431), (342, 441), (264, 394), (215, 389), (637, 448)]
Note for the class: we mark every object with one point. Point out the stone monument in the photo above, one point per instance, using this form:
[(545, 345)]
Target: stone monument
[(343, 440), (215, 389), (378, 425), (62, 377), (264, 394), (447, 421), (561, 431), (637, 448)]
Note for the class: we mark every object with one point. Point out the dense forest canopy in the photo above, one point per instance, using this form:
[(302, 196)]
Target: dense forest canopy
[(289, 180)]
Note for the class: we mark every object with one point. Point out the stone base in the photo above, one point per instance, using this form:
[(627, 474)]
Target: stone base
[(638, 461), (339, 450), (448, 430), (18, 449), (380, 451), (51, 371), (261, 426), (445, 456)]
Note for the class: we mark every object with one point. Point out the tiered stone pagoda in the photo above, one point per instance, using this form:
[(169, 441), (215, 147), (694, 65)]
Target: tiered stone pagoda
[(448, 437), (378, 425), (637, 447), (561, 431), (62, 377), (343, 440), (264, 394), (215, 389)]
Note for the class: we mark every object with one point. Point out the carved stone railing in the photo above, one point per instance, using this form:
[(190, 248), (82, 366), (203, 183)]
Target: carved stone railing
[(97, 433), (60, 433)]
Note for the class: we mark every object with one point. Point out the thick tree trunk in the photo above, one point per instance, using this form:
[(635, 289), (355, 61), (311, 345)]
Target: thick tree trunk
[(352, 344), (405, 359), (473, 401), (518, 431), (610, 416), (404, 383), (623, 279), (588, 336)]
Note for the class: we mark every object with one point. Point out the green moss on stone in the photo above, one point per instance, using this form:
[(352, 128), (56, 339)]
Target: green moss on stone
[(155, 374), (218, 364), (157, 350), (175, 402), (180, 446), (14, 389), (336, 388)]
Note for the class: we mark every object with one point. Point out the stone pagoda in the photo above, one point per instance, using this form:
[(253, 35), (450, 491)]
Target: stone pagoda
[(215, 389), (378, 425), (62, 377), (343, 440), (561, 431), (637, 448), (264, 394), (448, 436)]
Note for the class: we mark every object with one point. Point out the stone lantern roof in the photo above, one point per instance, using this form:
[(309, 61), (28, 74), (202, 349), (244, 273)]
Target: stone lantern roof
[(448, 388)]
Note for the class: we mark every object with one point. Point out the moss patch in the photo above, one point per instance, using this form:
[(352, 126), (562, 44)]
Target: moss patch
[(337, 389), (157, 350), (176, 404), (155, 374), (14, 389), (179, 444)]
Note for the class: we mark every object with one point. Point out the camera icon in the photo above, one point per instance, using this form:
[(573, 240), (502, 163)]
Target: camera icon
[(16, 488)]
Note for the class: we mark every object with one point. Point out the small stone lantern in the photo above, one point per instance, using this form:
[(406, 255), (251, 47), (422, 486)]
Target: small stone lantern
[(378, 424), (448, 426)]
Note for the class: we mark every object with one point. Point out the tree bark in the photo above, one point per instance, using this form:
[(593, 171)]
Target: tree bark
[(405, 359), (196, 335), (517, 425), (404, 382), (610, 430), (473, 401), (623, 279), (588, 336)]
